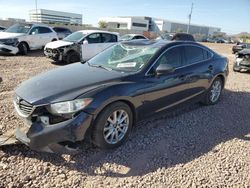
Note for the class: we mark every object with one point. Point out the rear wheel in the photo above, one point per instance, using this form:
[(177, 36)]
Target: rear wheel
[(213, 94), (72, 57), (23, 48), (112, 126)]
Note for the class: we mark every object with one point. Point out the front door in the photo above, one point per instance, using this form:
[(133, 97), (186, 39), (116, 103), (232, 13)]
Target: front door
[(167, 90)]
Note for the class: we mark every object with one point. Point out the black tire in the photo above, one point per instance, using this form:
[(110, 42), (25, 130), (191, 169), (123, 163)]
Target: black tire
[(72, 57), (98, 133), (54, 40), (23, 48), (208, 96), (236, 69)]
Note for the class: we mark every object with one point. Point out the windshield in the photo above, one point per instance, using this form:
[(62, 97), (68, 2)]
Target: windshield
[(126, 37), (124, 58), (19, 28), (74, 37)]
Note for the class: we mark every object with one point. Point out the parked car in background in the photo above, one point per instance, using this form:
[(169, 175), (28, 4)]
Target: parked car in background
[(24, 37), (2, 28), (240, 46), (165, 36), (80, 45), (183, 37), (129, 37), (102, 99), (242, 61), (221, 41), (62, 32)]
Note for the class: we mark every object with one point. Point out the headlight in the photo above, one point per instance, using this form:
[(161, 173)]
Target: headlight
[(12, 41), (69, 107)]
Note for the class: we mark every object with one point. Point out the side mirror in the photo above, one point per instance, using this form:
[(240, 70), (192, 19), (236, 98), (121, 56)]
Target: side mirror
[(85, 42), (164, 69), (33, 33)]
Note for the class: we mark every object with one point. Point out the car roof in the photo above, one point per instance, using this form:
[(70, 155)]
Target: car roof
[(96, 31), (158, 43), (133, 35)]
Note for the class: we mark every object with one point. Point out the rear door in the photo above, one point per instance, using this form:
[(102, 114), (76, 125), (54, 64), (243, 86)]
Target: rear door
[(45, 35), (108, 40)]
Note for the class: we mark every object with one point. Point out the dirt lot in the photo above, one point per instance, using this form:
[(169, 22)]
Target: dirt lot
[(198, 146)]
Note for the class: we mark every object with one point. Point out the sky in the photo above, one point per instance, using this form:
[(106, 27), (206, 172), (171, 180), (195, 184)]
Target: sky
[(232, 16)]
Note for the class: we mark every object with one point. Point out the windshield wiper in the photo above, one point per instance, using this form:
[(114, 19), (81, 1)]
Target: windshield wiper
[(100, 66)]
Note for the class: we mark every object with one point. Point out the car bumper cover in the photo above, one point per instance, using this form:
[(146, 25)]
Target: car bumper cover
[(8, 49), (43, 137)]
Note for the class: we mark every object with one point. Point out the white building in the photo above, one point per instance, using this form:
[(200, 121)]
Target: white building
[(129, 23), (156, 25), (51, 16)]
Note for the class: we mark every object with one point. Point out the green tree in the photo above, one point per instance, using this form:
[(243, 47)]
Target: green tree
[(102, 24)]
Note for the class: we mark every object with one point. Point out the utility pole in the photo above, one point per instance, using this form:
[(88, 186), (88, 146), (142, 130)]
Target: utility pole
[(36, 12), (189, 17)]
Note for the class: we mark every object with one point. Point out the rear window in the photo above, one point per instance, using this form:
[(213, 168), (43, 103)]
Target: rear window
[(107, 38), (195, 54), (44, 30)]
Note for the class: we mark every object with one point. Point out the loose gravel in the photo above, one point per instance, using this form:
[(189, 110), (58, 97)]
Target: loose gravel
[(195, 146)]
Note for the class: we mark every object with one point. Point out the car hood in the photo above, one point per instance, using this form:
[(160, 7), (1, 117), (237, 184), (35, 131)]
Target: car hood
[(58, 44), (6, 35), (65, 83)]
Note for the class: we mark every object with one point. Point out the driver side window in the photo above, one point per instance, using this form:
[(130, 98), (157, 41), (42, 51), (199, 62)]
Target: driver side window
[(172, 57), (34, 30), (94, 38)]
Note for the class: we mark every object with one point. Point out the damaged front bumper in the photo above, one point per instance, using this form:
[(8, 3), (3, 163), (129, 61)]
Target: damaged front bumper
[(7, 49), (49, 138), (242, 64), (54, 54)]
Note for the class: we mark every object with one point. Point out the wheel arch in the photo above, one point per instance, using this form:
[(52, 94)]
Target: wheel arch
[(126, 101), (25, 42)]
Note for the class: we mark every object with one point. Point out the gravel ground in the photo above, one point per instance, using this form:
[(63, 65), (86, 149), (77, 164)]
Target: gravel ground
[(196, 146)]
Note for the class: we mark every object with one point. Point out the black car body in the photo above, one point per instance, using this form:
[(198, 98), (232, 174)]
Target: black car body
[(242, 61), (153, 87), (239, 47), (183, 37), (62, 32)]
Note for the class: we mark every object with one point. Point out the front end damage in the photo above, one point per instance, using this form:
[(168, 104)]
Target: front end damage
[(242, 60), (60, 53), (8, 49), (49, 133)]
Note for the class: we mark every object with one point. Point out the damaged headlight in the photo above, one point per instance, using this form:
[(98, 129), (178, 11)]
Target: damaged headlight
[(69, 107), (11, 42)]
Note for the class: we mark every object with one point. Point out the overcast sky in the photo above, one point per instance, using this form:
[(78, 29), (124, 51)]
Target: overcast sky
[(231, 15)]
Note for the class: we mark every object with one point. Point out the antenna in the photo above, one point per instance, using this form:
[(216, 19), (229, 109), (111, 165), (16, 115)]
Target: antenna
[(189, 17)]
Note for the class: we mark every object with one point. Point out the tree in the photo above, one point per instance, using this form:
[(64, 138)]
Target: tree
[(102, 24), (179, 30)]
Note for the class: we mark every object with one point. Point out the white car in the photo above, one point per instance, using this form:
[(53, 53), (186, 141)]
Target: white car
[(20, 38), (80, 45), (129, 37)]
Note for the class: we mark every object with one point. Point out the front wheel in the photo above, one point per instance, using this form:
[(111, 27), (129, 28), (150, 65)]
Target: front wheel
[(213, 94), (112, 126), (72, 57), (23, 48)]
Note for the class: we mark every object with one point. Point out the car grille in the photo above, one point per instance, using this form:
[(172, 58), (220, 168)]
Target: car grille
[(22, 107)]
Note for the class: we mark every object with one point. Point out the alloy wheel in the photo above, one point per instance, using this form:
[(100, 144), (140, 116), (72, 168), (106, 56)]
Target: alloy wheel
[(215, 91), (116, 127)]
